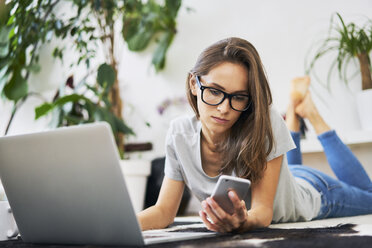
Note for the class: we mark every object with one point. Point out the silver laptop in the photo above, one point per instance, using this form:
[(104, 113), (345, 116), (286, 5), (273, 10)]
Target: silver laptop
[(66, 187)]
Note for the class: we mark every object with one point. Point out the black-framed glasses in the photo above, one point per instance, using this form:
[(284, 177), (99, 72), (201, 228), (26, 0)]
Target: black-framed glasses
[(213, 96)]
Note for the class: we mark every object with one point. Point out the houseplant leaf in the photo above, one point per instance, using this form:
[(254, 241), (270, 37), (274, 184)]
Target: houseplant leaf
[(122, 127), (173, 7), (130, 26), (46, 107), (16, 88), (106, 76), (158, 59), (141, 39), (4, 41), (43, 109)]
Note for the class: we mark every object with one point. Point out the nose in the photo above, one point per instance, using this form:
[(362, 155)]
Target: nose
[(224, 106)]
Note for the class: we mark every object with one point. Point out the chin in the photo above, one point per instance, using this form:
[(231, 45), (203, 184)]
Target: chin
[(218, 128)]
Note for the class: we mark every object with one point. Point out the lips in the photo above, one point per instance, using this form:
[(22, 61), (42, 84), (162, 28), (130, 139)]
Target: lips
[(219, 120)]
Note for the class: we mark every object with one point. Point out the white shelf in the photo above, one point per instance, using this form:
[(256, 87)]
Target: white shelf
[(359, 137)]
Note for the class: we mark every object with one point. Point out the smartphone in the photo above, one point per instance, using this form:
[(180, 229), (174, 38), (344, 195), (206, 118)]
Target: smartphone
[(224, 185)]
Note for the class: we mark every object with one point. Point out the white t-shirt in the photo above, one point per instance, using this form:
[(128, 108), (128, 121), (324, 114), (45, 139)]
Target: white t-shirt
[(295, 200)]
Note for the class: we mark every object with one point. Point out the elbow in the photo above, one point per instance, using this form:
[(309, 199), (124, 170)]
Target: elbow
[(266, 222), (268, 218), (169, 222), (265, 218), (167, 216)]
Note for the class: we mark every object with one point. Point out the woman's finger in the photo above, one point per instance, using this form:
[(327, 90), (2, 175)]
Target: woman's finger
[(220, 213), (207, 223), (210, 226), (207, 209), (240, 215), (239, 205), (227, 222)]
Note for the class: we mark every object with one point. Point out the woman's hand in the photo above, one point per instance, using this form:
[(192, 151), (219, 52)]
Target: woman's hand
[(216, 219), (261, 212)]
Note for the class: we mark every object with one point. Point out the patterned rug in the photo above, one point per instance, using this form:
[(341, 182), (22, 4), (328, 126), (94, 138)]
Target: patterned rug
[(345, 235)]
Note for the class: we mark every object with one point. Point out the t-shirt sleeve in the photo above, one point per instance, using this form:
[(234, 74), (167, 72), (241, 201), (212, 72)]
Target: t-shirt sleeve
[(283, 141), (172, 168)]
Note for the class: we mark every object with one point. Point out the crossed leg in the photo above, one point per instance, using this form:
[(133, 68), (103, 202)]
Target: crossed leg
[(342, 161)]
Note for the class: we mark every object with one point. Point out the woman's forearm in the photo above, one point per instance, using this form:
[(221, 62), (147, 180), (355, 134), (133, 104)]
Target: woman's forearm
[(154, 218), (258, 217), (165, 210)]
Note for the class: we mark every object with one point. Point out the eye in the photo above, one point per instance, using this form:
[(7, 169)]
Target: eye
[(241, 98), (215, 92)]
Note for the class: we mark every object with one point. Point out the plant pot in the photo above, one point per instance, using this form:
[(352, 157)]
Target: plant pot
[(135, 174), (364, 105)]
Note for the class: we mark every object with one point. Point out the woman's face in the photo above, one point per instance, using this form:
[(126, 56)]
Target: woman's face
[(230, 78)]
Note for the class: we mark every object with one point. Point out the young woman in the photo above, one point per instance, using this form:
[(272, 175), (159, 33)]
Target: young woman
[(235, 131)]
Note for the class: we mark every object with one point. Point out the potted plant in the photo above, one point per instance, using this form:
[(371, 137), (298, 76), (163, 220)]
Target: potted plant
[(350, 42), (87, 26)]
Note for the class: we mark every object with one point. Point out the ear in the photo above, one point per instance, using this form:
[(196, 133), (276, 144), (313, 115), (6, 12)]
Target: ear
[(192, 84)]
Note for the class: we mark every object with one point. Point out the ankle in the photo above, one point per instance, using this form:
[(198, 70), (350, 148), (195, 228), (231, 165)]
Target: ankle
[(293, 124), (292, 119), (320, 126)]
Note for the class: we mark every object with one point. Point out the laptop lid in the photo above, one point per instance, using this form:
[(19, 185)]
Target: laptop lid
[(66, 187)]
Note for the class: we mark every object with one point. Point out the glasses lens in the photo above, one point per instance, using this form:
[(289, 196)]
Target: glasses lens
[(212, 96), (239, 102)]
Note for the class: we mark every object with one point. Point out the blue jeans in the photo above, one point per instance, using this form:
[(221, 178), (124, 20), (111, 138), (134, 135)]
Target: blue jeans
[(351, 193)]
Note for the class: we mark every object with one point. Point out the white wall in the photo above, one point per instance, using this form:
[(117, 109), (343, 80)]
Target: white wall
[(282, 31)]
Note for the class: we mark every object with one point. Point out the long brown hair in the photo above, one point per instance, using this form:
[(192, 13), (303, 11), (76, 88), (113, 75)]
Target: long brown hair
[(250, 139)]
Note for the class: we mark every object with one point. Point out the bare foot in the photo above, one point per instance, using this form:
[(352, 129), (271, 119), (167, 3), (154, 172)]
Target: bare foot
[(299, 88), (307, 109)]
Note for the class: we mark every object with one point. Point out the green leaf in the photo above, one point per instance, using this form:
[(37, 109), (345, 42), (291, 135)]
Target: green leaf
[(16, 88), (117, 125), (70, 98), (46, 107), (73, 120), (158, 59), (99, 114), (106, 76), (43, 110), (130, 27), (90, 108), (21, 59), (140, 40), (3, 79), (93, 89), (173, 6), (4, 41), (103, 114), (3, 12), (122, 127)]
